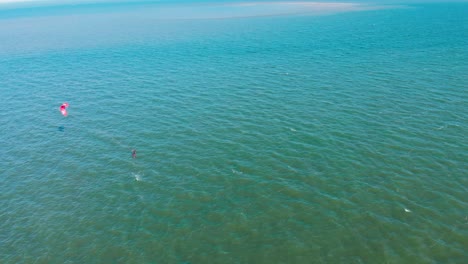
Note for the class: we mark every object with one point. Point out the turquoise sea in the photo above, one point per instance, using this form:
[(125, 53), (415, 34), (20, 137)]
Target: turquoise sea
[(263, 135)]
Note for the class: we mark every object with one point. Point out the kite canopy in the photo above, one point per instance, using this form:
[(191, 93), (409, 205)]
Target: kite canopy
[(63, 109)]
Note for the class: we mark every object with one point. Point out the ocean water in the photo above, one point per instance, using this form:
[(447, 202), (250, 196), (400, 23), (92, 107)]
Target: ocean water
[(260, 137)]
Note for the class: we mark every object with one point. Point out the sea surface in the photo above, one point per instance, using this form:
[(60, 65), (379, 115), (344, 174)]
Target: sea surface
[(336, 137)]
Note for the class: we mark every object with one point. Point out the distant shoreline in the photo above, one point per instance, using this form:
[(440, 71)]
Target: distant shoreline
[(233, 3), (15, 1), (216, 10)]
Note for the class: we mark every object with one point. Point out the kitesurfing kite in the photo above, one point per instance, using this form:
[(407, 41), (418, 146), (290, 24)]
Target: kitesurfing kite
[(63, 109)]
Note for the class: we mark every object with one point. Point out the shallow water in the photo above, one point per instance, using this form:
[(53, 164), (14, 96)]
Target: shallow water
[(283, 139)]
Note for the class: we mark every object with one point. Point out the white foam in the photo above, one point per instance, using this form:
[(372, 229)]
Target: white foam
[(138, 177), (236, 172)]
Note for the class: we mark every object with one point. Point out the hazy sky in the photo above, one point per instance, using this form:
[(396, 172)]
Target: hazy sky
[(356, 1), (26, 3)]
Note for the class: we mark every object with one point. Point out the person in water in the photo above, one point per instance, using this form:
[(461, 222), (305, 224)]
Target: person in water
[(133, 153)]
